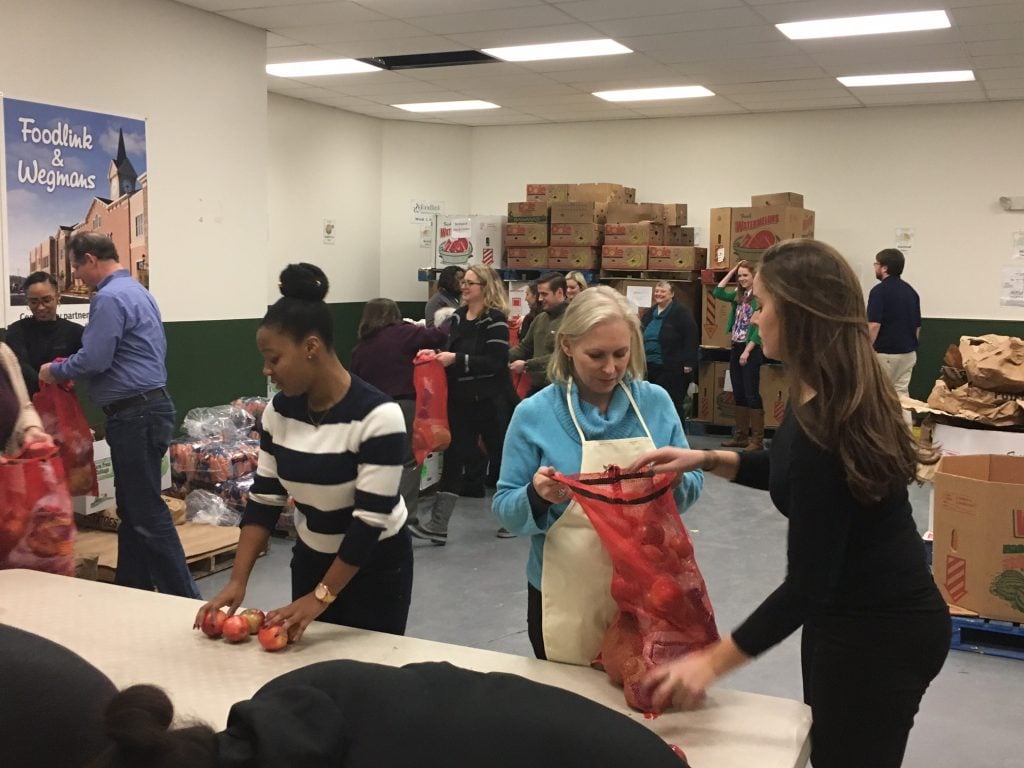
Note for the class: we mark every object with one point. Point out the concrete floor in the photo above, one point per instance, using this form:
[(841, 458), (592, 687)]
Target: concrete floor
[(473, 592)]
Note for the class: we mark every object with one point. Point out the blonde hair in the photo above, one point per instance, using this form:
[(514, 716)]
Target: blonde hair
[(823, 335), (599, 304), (493, 288), (578, 278)]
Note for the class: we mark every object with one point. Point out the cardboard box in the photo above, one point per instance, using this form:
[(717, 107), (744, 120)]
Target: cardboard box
[(576, 234), (675, 235), (668, 213), (725, 402), (774, 394), (714, 320), (105, 501), (624, 257), (978, 552), (633, 213), (527, 258), (569, 258), (550, 193), (643, 233), (464, 240), (705, 392), (600, 193), (526, 235), (676, 258), (578, 213), (528, 213), (739, 234), (794, 199), (430, 472)]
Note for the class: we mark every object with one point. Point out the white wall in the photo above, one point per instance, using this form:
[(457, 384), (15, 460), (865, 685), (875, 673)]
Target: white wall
[(198, 80), (325, 164), (937, 169)]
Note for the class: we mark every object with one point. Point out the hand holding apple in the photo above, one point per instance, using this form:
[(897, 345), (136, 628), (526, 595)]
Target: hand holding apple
[(297, 615), (273, 637), (230, 598), (236, 629), (213, 623)]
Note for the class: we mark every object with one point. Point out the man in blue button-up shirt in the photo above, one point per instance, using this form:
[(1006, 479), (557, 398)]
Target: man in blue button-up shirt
[(122, 357)]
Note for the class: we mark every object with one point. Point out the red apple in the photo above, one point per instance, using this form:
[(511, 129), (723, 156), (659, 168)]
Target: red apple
[(274, 637), (255, 617), (236, 629), (666, 597), (213, 623)]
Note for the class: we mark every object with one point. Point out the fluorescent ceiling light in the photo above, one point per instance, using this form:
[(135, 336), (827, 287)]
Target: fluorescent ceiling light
[(575, 50), (446, 106), (908, 78), (655, 94), (321, 67), (865, 25)]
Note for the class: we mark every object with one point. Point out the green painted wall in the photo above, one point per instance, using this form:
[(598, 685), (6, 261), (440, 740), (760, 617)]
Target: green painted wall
[(937, 333)]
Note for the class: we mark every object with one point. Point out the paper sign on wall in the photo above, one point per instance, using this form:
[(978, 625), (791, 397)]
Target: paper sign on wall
[(640, 296), (426, 208), (1011, 292), (1017, 251), (904, 238), (329, 228), (425, 229)]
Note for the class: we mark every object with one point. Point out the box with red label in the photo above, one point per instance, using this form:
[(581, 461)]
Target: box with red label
[(576, 234), (744, 234), (678, 235), (675, 258), (526, 235), (600, 193), (978, 554), (706, 392), (794, 199), (624, 257), (547, 193), (668, 213), (644, 233), (528, 213), (633, 213), (526, 258), (578, 213), (725, 401), (774, 394), (463, 240), (714, 320), (569, 258)]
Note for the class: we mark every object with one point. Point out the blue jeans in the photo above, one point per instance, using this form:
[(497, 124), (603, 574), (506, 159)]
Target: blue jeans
[(149, 552)]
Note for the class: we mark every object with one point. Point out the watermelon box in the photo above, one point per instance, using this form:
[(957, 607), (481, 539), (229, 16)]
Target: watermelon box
[(744, 234)]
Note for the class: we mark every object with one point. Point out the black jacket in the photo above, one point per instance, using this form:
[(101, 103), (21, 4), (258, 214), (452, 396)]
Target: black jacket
[(679, 337), (35, 343)]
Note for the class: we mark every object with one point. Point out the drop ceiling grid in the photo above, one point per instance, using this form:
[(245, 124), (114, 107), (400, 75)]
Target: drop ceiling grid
[(730, 46)]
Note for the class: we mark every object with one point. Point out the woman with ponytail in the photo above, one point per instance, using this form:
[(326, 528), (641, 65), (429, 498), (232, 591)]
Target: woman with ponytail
[(875, 628), (336, 446)]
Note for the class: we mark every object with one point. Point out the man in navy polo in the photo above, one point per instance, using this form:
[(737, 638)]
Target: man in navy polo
[(894, 320), (122, 358)]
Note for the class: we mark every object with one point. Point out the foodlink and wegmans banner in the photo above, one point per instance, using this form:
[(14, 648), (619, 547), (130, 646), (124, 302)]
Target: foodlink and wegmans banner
[(67, 171)]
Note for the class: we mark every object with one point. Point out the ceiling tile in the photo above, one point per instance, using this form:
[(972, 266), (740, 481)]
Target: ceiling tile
[(820, 85), (290, 53), (1003, 13), (401, 46), (731, 51), (365, 30), (984, 32), (680, 22), (997, 75), (481, 21), (277, 41), (775, 12), (311, 13), (997, 47), (407, 9), (553, 33), (702, 39), (796, 105), (603, 10)]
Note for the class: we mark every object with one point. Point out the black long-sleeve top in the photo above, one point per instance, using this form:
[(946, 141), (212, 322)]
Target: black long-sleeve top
[(679, 337), (843, 555), (35, 343), (480, 370)]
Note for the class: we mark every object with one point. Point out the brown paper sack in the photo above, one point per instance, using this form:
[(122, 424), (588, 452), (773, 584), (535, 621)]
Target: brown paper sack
[(981, 405), (994, 362)]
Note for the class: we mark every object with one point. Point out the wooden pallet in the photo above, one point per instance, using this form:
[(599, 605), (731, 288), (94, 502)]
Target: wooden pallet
[(987, 636), (678, 276)]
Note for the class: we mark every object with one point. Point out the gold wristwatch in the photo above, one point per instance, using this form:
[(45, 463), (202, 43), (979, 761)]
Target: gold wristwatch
[(323, 594)]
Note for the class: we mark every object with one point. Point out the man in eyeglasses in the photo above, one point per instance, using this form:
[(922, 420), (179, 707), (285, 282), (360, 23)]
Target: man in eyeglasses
[(44, 336)]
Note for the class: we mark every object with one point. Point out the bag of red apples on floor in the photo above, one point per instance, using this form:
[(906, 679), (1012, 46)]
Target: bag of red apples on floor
[(430, 424), (664, 610), (65, 422), (37, 527)]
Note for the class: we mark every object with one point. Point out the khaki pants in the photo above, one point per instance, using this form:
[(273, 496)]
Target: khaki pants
[(898, 369)]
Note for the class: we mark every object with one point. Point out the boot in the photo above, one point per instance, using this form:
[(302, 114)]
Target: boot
[(756, 431), (435, 530), (739, 440)]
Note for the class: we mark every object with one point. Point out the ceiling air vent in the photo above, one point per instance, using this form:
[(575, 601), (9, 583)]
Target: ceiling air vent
[(429, 60)]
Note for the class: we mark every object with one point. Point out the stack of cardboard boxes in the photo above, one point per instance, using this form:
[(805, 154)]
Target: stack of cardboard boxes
[(650, 236)]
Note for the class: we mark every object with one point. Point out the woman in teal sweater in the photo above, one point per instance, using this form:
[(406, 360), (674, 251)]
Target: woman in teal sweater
[(746, 358), (597, 411)]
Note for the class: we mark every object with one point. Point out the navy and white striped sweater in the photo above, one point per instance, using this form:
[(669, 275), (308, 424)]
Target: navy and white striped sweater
[(343, 472)]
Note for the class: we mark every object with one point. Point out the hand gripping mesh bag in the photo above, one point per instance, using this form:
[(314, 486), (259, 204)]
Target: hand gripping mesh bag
[(430, 425), (664, 610)]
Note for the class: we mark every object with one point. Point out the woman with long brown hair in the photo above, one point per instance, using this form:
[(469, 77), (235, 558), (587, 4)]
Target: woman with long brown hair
[(875, 628)]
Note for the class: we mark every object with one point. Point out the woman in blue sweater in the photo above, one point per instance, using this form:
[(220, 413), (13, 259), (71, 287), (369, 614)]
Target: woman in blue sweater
[(597, 412)]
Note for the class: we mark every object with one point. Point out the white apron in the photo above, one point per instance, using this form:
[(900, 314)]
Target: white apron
[(576, 578)]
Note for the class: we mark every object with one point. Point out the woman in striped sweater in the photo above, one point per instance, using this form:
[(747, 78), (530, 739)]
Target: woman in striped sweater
[(336, 445)]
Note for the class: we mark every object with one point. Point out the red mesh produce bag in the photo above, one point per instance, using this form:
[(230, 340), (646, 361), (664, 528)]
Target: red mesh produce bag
[(664, 610), (37, 527), (63, 419), (430, 425), (521, 383)]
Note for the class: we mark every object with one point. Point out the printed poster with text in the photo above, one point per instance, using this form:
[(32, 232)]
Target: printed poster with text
[(68, 171)]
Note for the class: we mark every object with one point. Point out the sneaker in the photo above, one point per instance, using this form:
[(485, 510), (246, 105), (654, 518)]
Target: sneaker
[(504, 533), (418, 531)]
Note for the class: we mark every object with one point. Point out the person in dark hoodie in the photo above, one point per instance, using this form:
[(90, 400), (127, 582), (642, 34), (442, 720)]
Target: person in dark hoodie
[(58, 710)]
